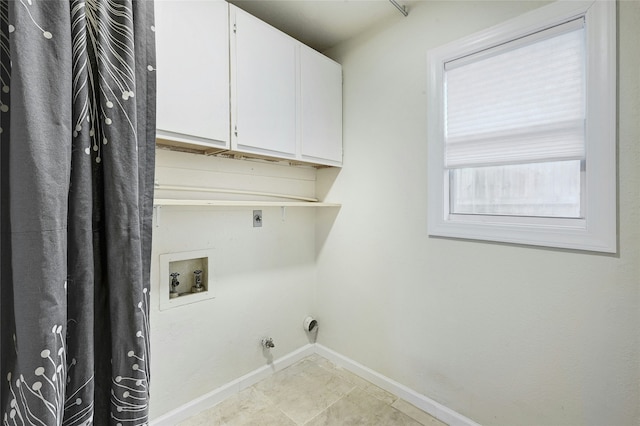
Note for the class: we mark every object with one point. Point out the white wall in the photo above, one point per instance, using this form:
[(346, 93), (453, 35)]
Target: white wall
[(503, 334), (263, 277)]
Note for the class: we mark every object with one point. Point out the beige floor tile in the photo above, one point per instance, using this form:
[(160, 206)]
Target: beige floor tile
[(356, 380), (313, 392), (208, 417), (361, 408), (322, 362), (304, 390), (416, 413), (269, 416), (368, 387), (249, 407), (317, 359)]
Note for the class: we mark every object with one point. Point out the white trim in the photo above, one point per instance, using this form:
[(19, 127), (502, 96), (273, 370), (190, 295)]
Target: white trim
[(521, 26), (229, 203), (166, 302), (598, 231), (208, 400), (426, 404), (190, 139), (218, 395), (543, 34), (182, 188)]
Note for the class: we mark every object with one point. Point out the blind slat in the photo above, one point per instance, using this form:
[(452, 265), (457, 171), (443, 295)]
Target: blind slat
[(558, 142), (524, 104)]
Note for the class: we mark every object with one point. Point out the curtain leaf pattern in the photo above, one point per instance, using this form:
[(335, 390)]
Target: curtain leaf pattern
[(77, 110)]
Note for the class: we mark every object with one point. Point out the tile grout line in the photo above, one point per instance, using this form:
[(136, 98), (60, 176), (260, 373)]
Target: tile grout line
[(304, 374), (364, 389), (330, 405), (407, 414), (273, 404)]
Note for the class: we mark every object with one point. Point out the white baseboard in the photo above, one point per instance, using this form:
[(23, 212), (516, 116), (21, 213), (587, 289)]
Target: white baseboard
[(428, 405), (216, 396)]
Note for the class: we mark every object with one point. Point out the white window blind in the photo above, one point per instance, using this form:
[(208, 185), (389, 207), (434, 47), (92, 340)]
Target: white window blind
[(519, 102), (521, 123)]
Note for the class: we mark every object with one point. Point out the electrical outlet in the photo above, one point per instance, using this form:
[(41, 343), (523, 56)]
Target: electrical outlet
[(257, 218)]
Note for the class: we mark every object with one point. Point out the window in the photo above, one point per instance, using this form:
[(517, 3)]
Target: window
[(522, 130)]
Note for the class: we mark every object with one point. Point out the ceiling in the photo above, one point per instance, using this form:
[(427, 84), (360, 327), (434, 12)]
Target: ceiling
[(322, 24)]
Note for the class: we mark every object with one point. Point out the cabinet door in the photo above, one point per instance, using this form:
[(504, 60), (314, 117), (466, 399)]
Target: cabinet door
[(263, 94), (192, 43), (321, 108)]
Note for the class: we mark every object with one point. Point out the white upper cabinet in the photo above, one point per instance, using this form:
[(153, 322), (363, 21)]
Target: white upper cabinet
[(228, 81), (263, 87), (320, 108), (192, 48)]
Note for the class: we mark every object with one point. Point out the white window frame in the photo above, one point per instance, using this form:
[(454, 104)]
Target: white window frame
[(597, 231)]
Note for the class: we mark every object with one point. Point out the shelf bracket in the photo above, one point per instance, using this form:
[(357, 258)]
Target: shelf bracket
[(157, 211)]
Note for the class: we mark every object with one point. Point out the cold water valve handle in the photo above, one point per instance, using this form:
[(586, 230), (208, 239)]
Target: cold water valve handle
[(174, 283)]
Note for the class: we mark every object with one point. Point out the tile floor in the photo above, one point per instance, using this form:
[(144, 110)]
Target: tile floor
[(313, 392)]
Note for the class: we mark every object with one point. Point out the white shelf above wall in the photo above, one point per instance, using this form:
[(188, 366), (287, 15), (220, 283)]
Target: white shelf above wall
[(293, 200), (229, 203)]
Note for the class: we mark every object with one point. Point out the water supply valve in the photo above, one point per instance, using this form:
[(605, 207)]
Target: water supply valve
[(267, 343)]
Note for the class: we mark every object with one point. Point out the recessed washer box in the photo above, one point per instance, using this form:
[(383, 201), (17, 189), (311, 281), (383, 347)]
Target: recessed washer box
[(185, 264)]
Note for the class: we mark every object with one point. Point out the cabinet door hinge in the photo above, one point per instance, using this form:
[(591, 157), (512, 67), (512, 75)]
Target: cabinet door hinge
[(235, 28), (235, 131)]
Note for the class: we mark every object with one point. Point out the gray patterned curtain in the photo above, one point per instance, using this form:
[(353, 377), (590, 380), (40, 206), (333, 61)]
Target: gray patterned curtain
[(77, 150)]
